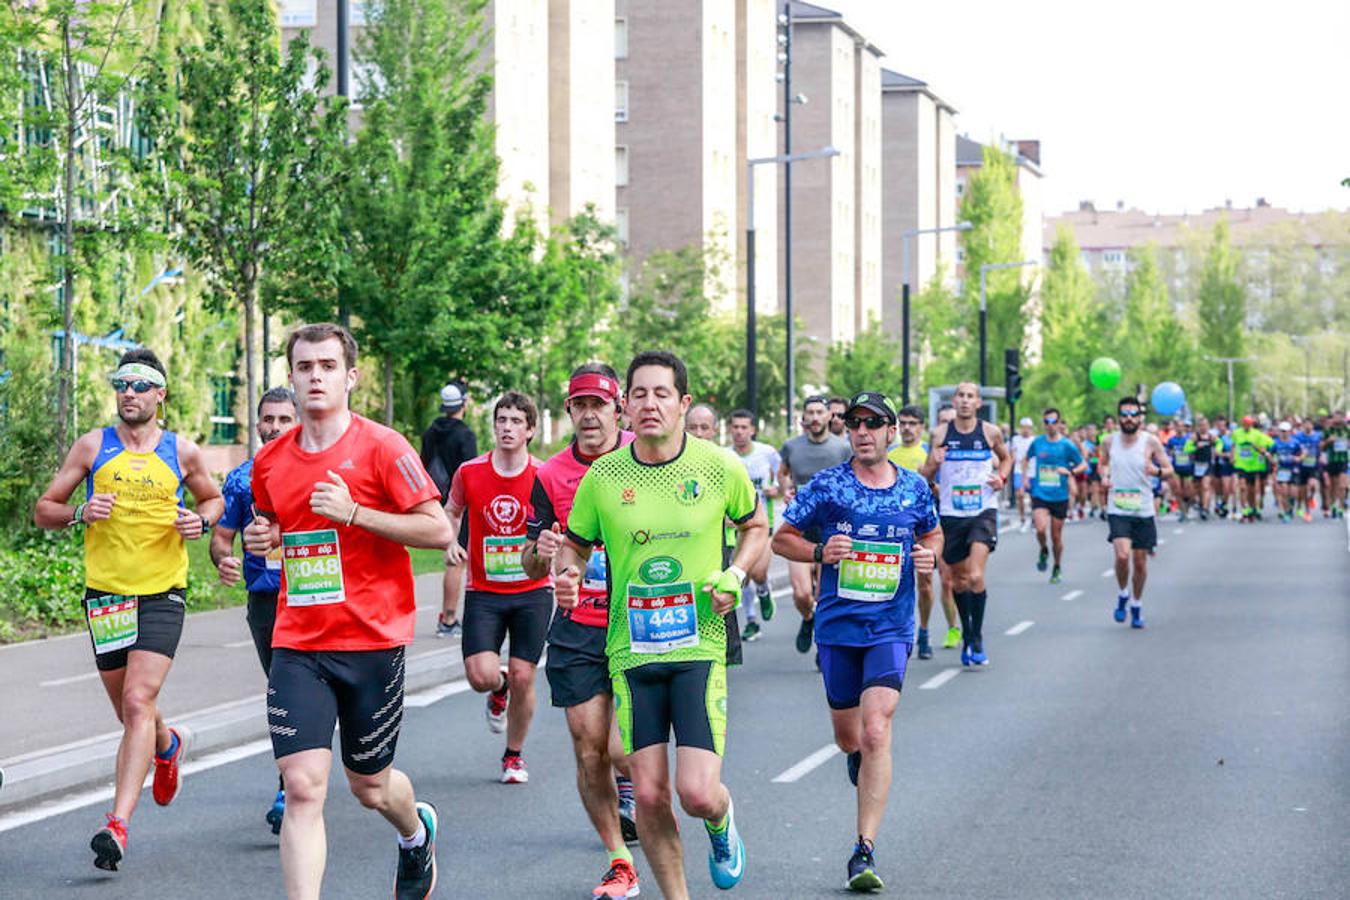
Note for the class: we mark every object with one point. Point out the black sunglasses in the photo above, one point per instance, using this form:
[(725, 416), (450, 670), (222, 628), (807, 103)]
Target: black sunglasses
[(1051, 420), (1130, 415), (140, 385), (872, 422)]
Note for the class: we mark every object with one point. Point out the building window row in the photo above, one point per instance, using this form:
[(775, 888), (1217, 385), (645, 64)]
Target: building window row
[(621, 38), (621, 165), (620, 101)]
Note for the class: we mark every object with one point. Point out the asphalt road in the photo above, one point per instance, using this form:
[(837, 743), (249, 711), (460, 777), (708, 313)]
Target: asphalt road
[(1206, 756)]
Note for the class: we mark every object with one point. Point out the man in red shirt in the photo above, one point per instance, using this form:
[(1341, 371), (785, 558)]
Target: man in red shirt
[(342, 496), (578, 669), (501, 598)]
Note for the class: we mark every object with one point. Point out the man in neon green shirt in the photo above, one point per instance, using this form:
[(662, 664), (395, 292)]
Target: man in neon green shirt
[(1251, 447), (658, 507)]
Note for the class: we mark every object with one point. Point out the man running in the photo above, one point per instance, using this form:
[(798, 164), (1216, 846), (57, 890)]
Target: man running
[(911, 453), (577, 668), (1019, 444), (1309, 474), (502, 598), (1224, 472), (972, 464), (1336, 445), (1288, 455), (1057, 459), (761, 463), (877, 527), (802, 457), (135, 574), (1251, 445), (342, 496), (1200, 449), (837, 409), (1183, 482), (446, 445), (658, 506), (261, 575), (1130, 461)]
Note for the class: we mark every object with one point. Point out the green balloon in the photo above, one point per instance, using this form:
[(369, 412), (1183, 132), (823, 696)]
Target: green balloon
[(1104, 373)]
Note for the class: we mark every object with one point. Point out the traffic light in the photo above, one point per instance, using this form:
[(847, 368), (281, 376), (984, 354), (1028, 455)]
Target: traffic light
[(1012, 375)]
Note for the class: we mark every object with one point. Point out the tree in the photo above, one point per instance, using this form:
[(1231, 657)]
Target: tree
[(1155, 346), (256, 161), (941, 336), (1221, 307), (869, 363), (1073, 329)]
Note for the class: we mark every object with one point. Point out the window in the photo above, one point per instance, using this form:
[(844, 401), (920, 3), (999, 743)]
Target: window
[(224, 428), (620, 101), (960, 188), (620, 38), (1113, 257), (620, 165), (621, 226)]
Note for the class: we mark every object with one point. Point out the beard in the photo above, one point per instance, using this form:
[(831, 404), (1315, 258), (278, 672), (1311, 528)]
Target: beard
[(1129, 426), (136, 418)]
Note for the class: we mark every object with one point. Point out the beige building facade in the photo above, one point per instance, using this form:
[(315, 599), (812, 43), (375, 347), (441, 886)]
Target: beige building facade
[(582, 162), (757, 138)]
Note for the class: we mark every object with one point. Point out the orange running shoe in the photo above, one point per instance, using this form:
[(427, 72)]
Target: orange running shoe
[(110, 843), (620, 881), (167, 779)]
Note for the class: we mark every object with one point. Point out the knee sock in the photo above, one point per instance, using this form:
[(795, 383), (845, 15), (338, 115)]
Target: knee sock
[(977, 601), (963, 603)]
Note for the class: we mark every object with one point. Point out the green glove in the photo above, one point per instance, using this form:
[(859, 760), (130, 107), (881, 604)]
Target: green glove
[(723, 582)]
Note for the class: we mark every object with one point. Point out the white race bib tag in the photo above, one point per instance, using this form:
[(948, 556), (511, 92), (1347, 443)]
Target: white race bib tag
[(871, 572), (662, 617), (501, 558), (312, 562), (114, 622)]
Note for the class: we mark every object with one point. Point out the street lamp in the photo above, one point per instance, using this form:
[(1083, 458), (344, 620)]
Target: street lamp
[(1229, 360), (751, 377), (904, 298), (984, 307)]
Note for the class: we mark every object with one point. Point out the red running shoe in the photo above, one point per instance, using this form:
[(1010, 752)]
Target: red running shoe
[(167, 779), (110, 844), (496, 706), (620, 881), (514, 771)]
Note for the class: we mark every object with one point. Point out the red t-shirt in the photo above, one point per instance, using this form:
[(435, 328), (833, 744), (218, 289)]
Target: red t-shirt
[(498, 507), (342, 587), (551, 501)]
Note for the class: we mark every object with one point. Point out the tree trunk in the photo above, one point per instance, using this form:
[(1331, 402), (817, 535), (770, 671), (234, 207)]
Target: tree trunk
[(389, 389), (65, 395), (250, 292)]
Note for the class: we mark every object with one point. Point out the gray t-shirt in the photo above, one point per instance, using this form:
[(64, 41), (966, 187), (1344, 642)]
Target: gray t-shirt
[(805, 457)]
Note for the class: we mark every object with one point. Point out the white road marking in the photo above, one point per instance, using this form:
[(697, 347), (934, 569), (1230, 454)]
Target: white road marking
[(57, 682), (1007, 526), (1178, 530), (236, 644), (940, 679), (1107, 573), (1161, 541), (432, 695), (1072, 595), (1019, 628), (814, 761)]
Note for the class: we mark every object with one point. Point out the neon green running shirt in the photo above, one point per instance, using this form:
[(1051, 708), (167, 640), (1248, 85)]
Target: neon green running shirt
[(662, 528)]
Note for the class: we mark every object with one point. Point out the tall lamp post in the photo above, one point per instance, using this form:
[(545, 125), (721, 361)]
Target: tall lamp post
[(984, 306), (751, 377), (904, 298)]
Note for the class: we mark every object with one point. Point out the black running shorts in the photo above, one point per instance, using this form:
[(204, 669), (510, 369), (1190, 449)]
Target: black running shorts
[(577, 667), (1058, 509), (959, 532), (158, 625), (689, 698), (1141, 530), (489, 618), (308, 692)]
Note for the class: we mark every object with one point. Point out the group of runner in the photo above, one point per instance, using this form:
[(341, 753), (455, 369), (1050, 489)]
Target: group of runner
[(626, 555)]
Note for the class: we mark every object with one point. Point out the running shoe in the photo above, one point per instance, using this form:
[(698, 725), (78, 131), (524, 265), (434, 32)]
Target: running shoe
[(751, 632), (862, 870), (1121, 601), (1307, 515), (965, 655), (1056, 576), (1136, 617), (514, 770), (416, 877), (1043, 561), (953, 638), (446, 629), (109, 843), (925, 649), (766, 605), (168, 781), (726, 853), (978, 659), (1024, 526), (805, 634), (496, 706), (1204, 515), (277, 812), (854, 766), (620, 881)]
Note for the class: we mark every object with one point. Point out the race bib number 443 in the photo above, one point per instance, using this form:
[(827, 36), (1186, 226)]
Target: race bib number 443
[(871, 572), (662, 617), (313, 566), (113, 622)]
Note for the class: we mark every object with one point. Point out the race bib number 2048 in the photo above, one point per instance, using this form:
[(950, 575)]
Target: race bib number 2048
[(313, 566)]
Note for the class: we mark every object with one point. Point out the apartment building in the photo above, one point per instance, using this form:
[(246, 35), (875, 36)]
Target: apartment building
[(676, 134), (836, 202), (757, 137), (918, 152), (583, 42)]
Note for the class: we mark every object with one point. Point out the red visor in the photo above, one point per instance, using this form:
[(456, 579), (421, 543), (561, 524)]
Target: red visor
[(593, 384)]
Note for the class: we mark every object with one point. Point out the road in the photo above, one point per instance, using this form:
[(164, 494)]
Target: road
[(1206, 756)]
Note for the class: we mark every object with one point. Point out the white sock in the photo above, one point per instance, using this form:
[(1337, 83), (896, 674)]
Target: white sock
[(1124, 594), (417, 840), (1136, 603)]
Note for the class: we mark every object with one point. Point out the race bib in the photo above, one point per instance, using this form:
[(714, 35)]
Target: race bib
[(1244, 452), (1201, 470), (597, 567), (1128, 499), (662, 617), (113, 622), (1309, 462), (313, 566), (967, 497), (1284, 476), (1183, 459), (501, 558), (1340, 446), (1047, 478), (871, 572)]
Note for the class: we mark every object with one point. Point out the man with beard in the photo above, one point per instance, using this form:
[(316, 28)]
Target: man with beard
[(838, 406), (135, 571)]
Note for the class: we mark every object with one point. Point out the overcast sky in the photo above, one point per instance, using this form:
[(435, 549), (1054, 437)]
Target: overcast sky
[(1168, 105)]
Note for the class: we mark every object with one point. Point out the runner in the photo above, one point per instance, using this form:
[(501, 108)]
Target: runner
[(1183, 482), (666, 642), (262, 576), (135, 574), (342, 496), (1309, 471), (502, 598), (701, 422), (1097, 507), (1200, 448), (879, 528), (1250, 447), (1019, 444), (1224, 472), (1336, 445), (911, 453), (1130, 462), (577, 669), (1057, 459), (761, 463), (1288, 454), (446, 445), (837, 409), (972, 465), (802, 457)]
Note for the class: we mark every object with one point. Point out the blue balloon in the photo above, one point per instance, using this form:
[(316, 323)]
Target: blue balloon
[(1168, 398)]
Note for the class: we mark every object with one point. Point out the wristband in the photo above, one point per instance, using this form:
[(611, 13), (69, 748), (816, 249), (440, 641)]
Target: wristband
[(351, 515), (739, 573), (818, 552), (78, 517)]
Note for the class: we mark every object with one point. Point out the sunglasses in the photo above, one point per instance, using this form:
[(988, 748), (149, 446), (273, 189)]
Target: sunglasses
[(140, 385), (872, 422), (1051, 420), (1130, 415)]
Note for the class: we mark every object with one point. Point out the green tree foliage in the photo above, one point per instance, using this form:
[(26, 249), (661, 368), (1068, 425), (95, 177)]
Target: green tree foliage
[(1221, 308), (1073, 332), (1154, 346), (993, 206), (941, 340), (870, 363)]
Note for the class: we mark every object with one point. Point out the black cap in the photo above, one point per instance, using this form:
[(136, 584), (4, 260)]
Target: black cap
[(877, 403)]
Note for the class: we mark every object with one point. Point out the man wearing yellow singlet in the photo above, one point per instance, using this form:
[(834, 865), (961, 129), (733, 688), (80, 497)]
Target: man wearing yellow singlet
[(135, 571), (911, 453)]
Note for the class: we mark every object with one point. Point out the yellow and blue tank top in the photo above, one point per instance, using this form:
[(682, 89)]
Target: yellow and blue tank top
[(136, 550)]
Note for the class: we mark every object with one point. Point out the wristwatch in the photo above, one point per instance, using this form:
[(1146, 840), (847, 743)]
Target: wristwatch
[(206, 524), (818, 552)]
